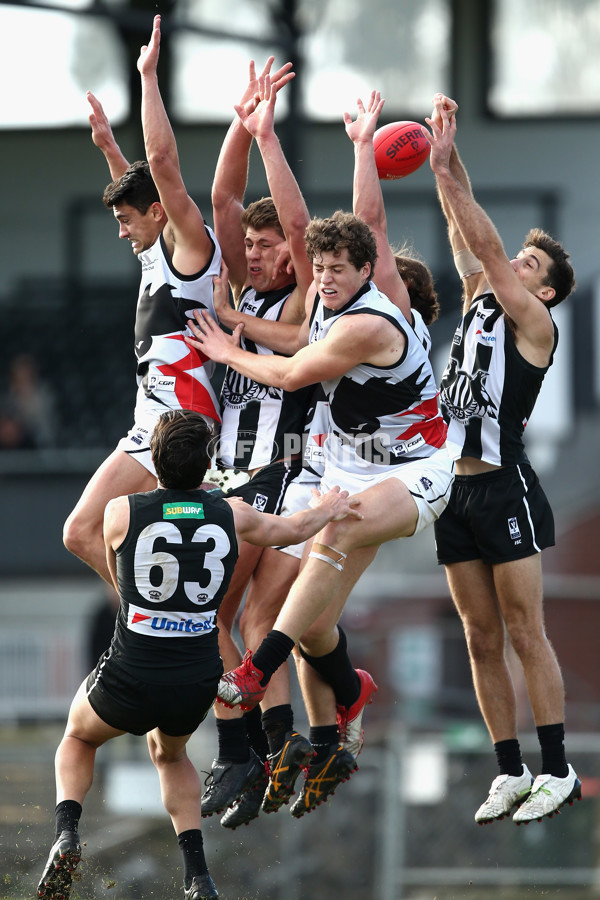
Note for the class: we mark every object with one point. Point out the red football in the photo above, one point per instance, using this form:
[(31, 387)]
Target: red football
[(400, 148)]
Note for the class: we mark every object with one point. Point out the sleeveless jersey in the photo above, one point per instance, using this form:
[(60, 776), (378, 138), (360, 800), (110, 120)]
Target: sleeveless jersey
[(380, 416), (316, 429), (170, 373), (421, 330), (488, 389), (260, 424), (173, 569)]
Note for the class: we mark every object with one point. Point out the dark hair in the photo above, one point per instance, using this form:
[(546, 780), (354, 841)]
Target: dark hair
[(135, 187), (419, 283), (560, 276), (342, 230), (261, 214), (180, 449)]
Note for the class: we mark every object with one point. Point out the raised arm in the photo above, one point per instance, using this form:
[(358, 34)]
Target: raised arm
[(185, 236), (104, 139), (286, 195), (231, 178), (468, 266), (368, 198), (483, 241)]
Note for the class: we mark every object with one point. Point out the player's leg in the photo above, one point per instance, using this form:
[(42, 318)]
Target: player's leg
[(74, 768), (180, 790), (288, 751), (519, 588), (324, 583), (471, 585), (119, 474), (317, 585), (472, 589)]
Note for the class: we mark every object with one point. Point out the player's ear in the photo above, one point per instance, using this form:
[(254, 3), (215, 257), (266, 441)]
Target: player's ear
[(546, 293), (158, 211)]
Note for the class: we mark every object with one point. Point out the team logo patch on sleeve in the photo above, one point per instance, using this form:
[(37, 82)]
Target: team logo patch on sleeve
[(183, 510)]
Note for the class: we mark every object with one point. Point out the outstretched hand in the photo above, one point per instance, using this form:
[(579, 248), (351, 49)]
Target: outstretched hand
[(208, 336), (279, 79), (441, 101), (102, 134), (148, 58), (364, 126), (441, 137), (259, 122), (337, 504)]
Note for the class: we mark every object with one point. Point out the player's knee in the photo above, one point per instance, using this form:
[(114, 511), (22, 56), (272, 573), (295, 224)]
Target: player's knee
[(255, 621), (526, 639), (484, 644)]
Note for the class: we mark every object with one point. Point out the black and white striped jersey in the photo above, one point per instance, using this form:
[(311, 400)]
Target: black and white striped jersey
[(488, 390), (260, 424)]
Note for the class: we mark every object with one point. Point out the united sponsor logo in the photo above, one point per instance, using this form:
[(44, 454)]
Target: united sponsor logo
[(183, 511), (169, 623)]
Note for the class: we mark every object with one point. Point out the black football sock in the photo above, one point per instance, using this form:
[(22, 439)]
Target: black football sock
[(68, 813), (233, 741), (257, 739), (337, 670), (277, 722), (552, 743), (272, 653), (192, 848), (322, 737), (508, 755)]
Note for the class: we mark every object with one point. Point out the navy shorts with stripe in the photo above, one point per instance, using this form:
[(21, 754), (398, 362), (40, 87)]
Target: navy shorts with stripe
[(496, 516)]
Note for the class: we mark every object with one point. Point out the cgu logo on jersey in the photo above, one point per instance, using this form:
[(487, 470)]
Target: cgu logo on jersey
[(161, 382), (169, 623)]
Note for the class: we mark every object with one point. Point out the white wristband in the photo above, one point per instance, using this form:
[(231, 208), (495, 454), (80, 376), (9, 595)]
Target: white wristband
[(467, 263)]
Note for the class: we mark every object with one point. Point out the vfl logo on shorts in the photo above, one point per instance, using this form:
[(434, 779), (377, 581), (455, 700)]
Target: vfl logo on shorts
[(260, 502), (426, 482), (513, 530)]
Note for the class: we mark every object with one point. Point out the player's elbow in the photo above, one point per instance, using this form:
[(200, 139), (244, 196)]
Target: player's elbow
[(293, 380)]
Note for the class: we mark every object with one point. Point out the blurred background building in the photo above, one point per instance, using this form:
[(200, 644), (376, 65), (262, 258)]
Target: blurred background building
[(527, 80)]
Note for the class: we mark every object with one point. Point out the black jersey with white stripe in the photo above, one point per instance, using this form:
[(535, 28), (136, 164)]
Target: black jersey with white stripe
[(260, 424), (488, 390), (173, 569)]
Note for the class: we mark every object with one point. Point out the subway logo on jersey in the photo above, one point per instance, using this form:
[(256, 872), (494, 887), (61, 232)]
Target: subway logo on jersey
[(183, 510)]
